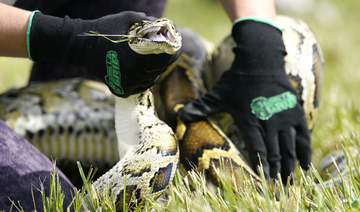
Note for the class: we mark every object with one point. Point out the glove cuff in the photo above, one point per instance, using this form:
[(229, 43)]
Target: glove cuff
[(260, 49), (258, 19), (28, 33)]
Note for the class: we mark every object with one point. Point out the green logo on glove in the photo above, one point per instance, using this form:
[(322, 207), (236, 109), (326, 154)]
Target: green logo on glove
[(113, 76), (264, 108)]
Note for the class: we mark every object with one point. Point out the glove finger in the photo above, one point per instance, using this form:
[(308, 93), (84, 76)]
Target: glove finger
[(134, 17), (201, 108), (158, 63), (303, 145), (139, 89), (136, 88), (256, 148), (273, 153), (150, 18), (157, 79), (287, 149)]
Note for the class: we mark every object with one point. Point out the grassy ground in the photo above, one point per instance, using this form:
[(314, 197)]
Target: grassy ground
[(335, 23)]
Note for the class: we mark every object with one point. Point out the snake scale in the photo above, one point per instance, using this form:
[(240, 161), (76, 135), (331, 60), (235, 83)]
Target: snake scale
[(73, 119)]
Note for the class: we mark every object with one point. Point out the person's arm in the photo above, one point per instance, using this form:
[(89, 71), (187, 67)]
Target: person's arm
[(13, 25), (250, 8), (43, 37)]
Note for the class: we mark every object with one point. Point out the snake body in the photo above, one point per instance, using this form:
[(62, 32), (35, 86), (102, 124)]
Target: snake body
[(74, 118), (149, 164)]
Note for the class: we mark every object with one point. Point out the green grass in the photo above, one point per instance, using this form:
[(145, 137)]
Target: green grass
[(336, 25), (191, 192), (14, 72)]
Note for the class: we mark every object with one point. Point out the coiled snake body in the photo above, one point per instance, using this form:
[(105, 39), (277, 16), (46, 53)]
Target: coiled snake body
[(74, 119)]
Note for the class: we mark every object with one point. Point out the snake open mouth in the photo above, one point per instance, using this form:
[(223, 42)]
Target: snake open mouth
[(160, 34)]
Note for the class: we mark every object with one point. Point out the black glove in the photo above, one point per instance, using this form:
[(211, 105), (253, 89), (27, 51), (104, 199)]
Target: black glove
[(122, 69), (258, 94)]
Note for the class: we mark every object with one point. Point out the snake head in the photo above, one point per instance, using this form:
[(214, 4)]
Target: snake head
[(154, 37)]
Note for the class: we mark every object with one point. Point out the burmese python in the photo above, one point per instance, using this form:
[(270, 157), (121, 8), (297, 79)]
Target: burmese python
[(74, 119)]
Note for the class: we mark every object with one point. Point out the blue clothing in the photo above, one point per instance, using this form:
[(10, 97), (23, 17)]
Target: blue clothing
[(23, 169)]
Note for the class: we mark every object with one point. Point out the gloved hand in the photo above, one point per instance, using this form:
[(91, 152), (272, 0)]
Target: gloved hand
[(123, 70), (263, 103)]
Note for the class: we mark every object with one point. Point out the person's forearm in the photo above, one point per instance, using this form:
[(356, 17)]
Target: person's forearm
[(245, 8), (13, 25)]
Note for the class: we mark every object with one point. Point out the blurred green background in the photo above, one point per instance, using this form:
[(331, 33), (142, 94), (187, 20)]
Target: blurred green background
[(336, 24)]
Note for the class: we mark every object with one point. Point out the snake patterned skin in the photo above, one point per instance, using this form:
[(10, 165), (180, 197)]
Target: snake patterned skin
[(150, 161), (74, 119)]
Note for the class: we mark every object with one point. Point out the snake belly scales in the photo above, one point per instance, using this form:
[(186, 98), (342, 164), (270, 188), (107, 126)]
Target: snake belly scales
[(73, 119)]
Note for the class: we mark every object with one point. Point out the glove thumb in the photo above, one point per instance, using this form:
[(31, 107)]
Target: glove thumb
[(200, 108)]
